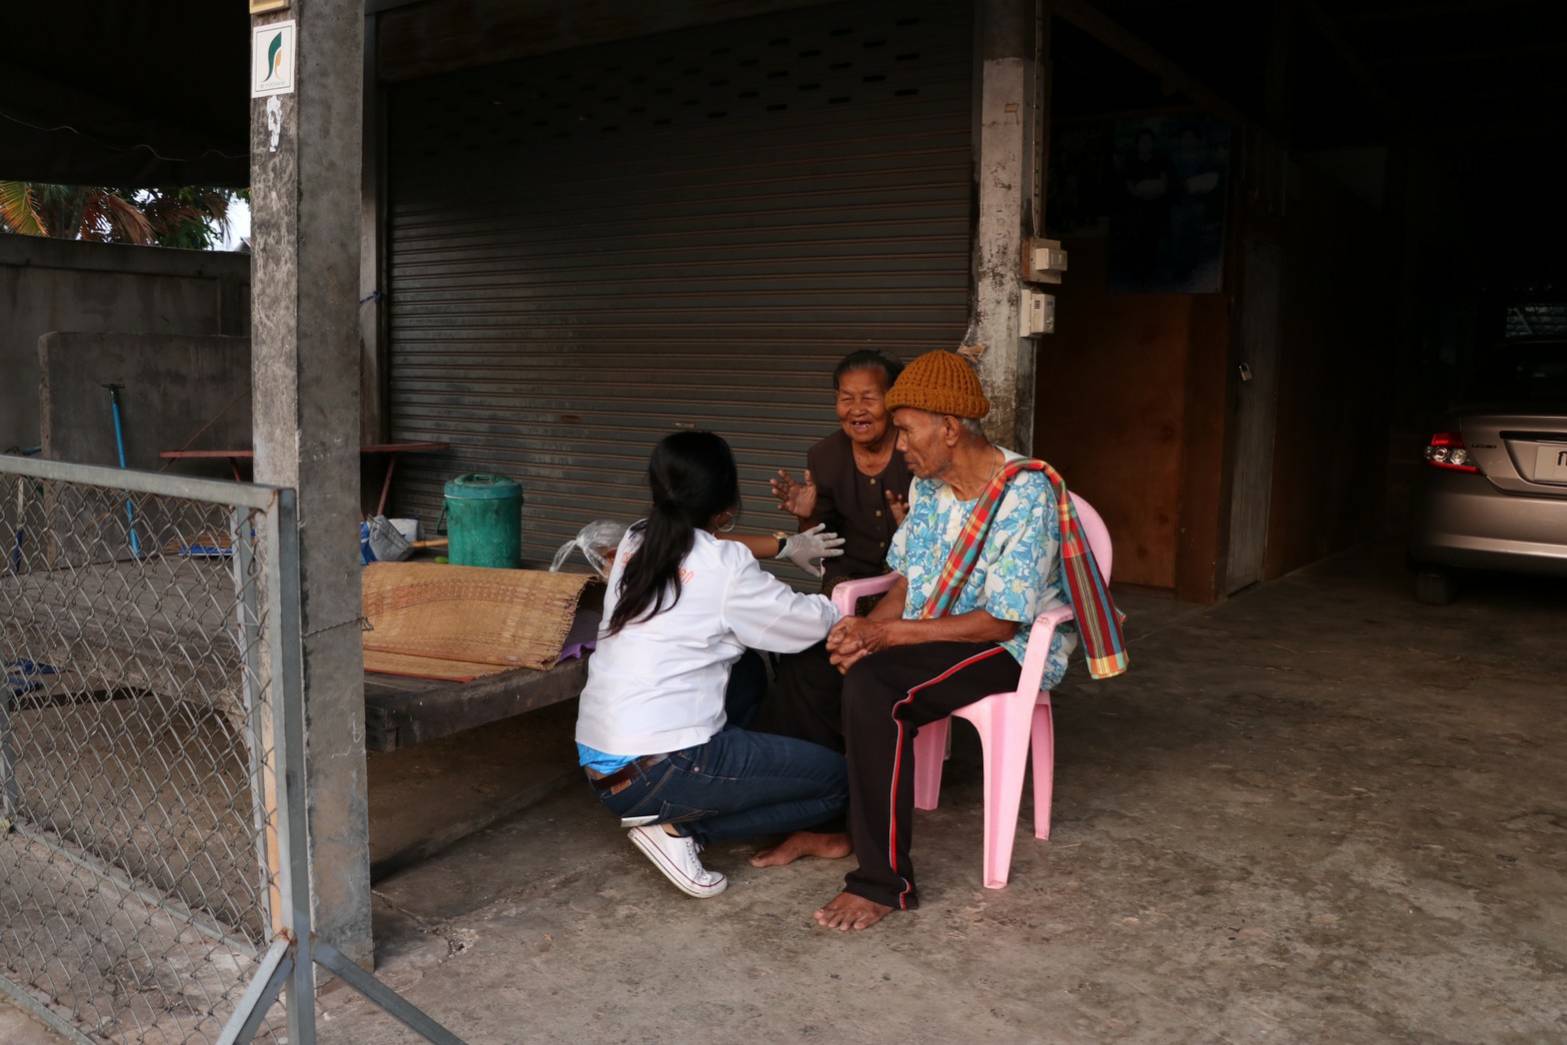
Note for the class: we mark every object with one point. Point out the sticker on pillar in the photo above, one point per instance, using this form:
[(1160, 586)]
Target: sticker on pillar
[(272, 59)]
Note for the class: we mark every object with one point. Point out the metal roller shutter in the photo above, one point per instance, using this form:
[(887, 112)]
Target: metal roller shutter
[(592, 249)]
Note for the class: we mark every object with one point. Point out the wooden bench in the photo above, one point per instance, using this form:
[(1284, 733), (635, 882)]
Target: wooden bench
[(401, 712)]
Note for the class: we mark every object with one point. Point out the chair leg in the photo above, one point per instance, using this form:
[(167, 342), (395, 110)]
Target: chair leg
[(930, 747), (1044, 744), (1004, 731)]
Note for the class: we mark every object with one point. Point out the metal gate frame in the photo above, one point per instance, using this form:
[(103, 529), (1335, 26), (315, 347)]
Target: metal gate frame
[(288, 965)]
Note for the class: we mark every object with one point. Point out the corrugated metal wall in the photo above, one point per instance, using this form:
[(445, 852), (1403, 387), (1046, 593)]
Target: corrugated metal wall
[(592, 249)]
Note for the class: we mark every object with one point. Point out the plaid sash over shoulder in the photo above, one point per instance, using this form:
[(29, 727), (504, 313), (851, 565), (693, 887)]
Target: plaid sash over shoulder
[(1098, 621)]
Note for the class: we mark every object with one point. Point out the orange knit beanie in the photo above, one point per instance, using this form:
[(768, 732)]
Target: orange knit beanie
[(941, 383)]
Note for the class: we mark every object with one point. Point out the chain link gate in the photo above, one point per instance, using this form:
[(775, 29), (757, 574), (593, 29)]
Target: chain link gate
[(153, 875)]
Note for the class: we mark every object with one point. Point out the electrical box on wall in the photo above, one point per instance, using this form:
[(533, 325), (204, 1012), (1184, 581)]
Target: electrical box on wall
[(1039, 313), (1043, 261)]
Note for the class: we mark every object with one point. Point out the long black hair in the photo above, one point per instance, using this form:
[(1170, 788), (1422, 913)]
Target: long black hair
[(694, 479)]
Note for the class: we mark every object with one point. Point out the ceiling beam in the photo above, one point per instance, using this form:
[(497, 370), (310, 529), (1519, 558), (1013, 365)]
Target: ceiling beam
[(418, 38), (46, 102), (1386, 105), (1535, 49), (1438, 8), (51, 131), (1140, 52)]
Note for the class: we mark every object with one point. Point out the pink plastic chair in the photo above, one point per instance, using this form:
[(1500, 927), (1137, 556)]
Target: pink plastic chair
[(1007, 722)]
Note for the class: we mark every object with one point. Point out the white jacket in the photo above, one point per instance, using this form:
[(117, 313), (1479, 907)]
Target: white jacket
[(658, 685)]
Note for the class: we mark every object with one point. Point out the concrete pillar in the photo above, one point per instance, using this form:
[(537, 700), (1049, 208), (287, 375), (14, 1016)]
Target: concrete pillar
[(1009, 137), (305, 364)]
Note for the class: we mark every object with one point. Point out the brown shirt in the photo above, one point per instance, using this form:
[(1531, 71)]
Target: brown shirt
[(854, 506)]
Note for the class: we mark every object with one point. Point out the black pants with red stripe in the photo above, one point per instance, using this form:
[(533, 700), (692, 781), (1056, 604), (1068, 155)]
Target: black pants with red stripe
[(873, 713)]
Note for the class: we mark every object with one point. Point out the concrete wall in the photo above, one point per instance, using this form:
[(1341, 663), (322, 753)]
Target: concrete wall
[(48, 285), (177, 393)]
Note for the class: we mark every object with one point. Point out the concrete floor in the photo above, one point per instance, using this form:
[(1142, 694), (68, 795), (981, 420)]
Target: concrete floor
[(1318, 812), (20, 1028)]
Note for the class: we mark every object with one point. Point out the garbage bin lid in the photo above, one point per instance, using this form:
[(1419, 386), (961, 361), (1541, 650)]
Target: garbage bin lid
[(481, 486)]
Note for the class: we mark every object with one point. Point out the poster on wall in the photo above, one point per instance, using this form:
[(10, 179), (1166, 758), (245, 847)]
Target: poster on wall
[(1167, 205)]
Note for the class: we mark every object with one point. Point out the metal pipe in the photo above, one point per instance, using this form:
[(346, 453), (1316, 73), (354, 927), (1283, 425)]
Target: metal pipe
[(208, 491), (10, 795), (389, 1001), (248, 581), (55, 1022), (276, 966), (284, 647), (119, 446)]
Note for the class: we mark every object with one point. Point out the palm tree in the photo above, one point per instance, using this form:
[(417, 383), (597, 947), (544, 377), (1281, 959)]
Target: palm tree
[(19, 209), (195, 218)]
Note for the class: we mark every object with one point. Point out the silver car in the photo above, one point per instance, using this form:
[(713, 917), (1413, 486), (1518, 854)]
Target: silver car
[(1494, 492)]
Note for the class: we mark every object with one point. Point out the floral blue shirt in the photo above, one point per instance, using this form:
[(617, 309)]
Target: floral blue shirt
[(1018, 573)]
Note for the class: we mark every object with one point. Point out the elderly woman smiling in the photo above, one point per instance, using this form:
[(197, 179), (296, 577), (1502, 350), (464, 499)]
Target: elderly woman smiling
[(855, 482)]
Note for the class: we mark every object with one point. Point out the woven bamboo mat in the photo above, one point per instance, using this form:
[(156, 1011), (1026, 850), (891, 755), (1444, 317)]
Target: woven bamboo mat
[(408, 666), (460, 622)]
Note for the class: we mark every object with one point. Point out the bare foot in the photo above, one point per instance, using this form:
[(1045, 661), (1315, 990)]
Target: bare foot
[(850, 913), (803, 844)]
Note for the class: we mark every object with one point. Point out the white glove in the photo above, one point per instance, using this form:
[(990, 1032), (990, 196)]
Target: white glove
[(808, 548)]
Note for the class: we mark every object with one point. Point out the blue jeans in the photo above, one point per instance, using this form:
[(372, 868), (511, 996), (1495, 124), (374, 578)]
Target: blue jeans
[(737, 785)]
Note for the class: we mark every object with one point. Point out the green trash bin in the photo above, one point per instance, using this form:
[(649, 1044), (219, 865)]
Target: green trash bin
[(484, 521)]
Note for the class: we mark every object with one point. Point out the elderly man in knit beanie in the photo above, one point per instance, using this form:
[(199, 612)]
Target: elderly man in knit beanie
[(949, 631)]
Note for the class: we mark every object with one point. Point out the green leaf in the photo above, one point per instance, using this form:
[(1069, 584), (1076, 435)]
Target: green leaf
[(18, 209)]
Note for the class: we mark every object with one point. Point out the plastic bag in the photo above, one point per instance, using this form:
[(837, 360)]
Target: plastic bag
[(379, 541), (598, 541)]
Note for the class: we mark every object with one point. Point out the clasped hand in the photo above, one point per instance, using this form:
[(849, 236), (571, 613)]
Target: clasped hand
[(853, 639)]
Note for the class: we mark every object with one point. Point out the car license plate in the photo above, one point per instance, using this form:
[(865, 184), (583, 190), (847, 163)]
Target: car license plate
[(1550, 463)]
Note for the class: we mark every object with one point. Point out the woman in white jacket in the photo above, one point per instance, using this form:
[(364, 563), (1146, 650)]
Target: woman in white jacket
[(682, 607)]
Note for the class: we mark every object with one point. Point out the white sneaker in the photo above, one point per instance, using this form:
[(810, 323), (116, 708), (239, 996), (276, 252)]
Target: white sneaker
[(677, 858)]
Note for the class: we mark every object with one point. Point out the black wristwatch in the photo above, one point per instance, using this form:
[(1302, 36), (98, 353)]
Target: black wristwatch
[(783, 540)]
